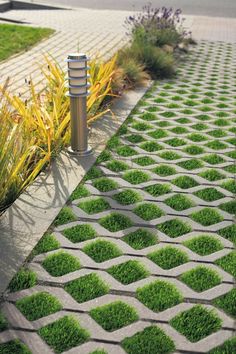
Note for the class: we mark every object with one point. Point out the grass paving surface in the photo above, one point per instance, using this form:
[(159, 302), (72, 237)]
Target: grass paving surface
[(160, 258)]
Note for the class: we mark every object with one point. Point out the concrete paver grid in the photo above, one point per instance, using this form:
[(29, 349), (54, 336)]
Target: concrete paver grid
[(188, 126)]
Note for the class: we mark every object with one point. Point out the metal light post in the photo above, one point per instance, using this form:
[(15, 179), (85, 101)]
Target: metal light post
[(78, 92)]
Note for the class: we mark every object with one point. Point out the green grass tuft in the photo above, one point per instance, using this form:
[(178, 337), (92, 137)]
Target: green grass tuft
[(159, 295), (191, 164), (60, 263), (94, 172), (229, 207), (170, 155), (158, 189), (38, 305), (179, 130), (213, 159), (87, 287), (209, 194), (204, 245), (135, 139), (80, 192), (136, 177), (104, 156), (151, 146), (125, 151), (144, 161), (207, 216), (104, 184), (227, 302), (117, 166), (95, 205), (179, 202), (158, 134), (148, 211), (115, 222), (194, 150), (168, 257), (128, 272), (23, 279), (174, 228), (196, 323), (175, 142), (229, 233), (65, 216), (212, 175), (80, 233), (3, 323), (14, 347), (216, 145), (164, 170), (228, 347), (152, 340), (140, 239), (47, 243), (185, 182), (196, 137), (201, 278), (228, 263), (127, 197), (141, 126), (230, 185), (64, 334), (114, 315), (101, 250)]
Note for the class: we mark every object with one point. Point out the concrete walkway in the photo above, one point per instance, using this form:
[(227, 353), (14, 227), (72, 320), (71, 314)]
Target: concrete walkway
[(152, 228), (91, 31)]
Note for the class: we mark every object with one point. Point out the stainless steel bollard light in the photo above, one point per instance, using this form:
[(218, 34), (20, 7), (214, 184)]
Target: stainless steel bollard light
[(78, 92)]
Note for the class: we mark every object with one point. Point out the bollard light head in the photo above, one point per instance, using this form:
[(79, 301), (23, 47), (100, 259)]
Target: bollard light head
[(77, 74)]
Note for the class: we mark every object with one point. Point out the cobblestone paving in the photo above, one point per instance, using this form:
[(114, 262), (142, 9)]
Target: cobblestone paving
[(146, 259)]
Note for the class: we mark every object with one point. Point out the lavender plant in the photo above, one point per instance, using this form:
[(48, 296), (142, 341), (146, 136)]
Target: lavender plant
[(158, 26)]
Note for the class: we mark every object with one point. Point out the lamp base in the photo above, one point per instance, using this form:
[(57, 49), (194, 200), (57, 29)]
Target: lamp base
[(87, 152)]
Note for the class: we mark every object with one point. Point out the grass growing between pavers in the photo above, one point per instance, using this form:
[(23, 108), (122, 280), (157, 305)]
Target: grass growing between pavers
[(115, 222), (204, 245), (227, 348), (46, 244), (140, 239), (87, 287), (64, 334), (228, 263), (159, 295), (148, 211), (152, 340), (80, 233), (128, 272), (168, 257), (60, 263), (177, 137), (127, 197), (101, 250), (227, 302), (3, 323), (23, 279), (114, 315), (94, 206), (174, 228), (15, 39), (201, 278), (14, 346), (38, 305), (65, 216), (196, 323)]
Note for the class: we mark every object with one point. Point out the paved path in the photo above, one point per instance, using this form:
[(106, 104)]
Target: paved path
[(176, 158), (91, 31)]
